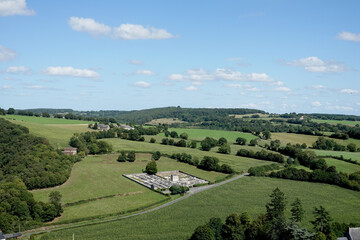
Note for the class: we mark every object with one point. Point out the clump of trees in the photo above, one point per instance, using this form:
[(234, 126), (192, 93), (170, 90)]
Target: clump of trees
[(263, 155), (156, 155), (88, 143), (185, 158), (180, 143), (272, 224), (18, 206), (127, 156), (212, 164), (31, 158), (328, 144), (241, 141), (208, 143), (151, 168), (178, 189)]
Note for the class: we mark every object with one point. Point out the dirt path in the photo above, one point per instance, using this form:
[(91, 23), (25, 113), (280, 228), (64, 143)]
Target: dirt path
[(192, 191)]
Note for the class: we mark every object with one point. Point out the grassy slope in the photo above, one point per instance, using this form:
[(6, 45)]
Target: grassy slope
[(200, 134), (238, 163), (98, 176), (57, 134), (248, 194), (351, 123), (342, 166), (42, 120), (347, 155)]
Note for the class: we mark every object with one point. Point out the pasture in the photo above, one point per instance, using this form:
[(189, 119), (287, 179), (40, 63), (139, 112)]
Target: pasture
[(250, 194), (43, 120), (200, 134), (98, 180), (238, 163), (344, 122), (342, 166), (169, 121), (347, 155)]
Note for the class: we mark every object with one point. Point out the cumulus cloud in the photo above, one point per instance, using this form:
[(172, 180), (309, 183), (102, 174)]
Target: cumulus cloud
[(191, 88), (200, 75), (4, 87), (136, 62), (282, 89), (144, 72), (358, 103), (14, 7), (246, 87), (135, 31), (317, 87), (314, 64), (71, 72), (88, 25), (350, 91), (40, 87), (348, 36), (316, 104), (18, 69), (142, 84), (6, 54)]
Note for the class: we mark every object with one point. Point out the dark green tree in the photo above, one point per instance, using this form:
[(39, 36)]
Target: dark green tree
[(152, 140), (276, 207), (193, 144), (322, 220), (122, 157), (266, 134), (253, 142), (131, 156), (241, 141), (216, 225), (232, 229), (156, 155), (151, 168), (297, 211), (46, 114), (174, 134), (184, 136), (11, 111), (351, 147), (224, 149), (221, 141), (203, 232)]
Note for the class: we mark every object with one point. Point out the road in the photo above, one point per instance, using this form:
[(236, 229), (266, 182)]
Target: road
[(191, 192)]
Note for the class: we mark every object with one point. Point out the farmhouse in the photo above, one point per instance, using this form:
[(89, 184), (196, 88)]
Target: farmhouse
[(103, 127), (70, 151), (126, 127), (9, 236)]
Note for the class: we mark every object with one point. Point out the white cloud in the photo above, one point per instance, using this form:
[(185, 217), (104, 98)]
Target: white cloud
[(40, 87), (5, 87), (282, 89), (348, 36), (6, 54), (136, 62), (191, 88), (71, 72), (18, 69), (246, 87), (88, 25), (135, 31), (142, 84), (144, 72), (358, 103), (345, 108), (197, 83), (314, 64), (277, 83), (200, 75), (350, 91), (14, 7), (316, 104), (317, 87), (234, 85)]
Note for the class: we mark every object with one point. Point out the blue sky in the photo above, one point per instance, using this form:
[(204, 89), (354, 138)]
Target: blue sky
[(277, 56)]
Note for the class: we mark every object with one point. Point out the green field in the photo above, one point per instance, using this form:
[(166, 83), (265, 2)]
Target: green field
[(347, 155), (342, 166), (249, 194), (351, 123), (99, 176), (200, 134), (238, 163), (42, 120)]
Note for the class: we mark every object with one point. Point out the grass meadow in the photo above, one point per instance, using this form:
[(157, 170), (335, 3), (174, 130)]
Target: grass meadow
[(42, 120), (350, 123), (100, 176), (250, 194), (238, 163), (342, 166), (347, 155)]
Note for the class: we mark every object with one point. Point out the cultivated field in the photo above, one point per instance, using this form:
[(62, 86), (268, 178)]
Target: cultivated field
[(99, 181), (249, 194)]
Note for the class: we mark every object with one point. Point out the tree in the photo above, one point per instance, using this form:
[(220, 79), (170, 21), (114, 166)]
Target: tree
[(232, 228), (221, 141), (55, 199), (96, 126), (45, 114), (224, 149), (266, 134), (152, 140), (322, 220), (174, 134), (151, 168), (351, 147), (241, 141), (2, 111), (156, 155), (205, 145), (275, 208), (253, 142), (203, 232), (320, 236), (131, 156), (209, 163), (178, 189), (11, 111), (297, 211), (184, 136), (122, 157), (215, 224), (226, 169), (193, 144)]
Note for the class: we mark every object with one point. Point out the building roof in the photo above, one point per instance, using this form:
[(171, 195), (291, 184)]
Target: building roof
[(354, 233), (9, 236)]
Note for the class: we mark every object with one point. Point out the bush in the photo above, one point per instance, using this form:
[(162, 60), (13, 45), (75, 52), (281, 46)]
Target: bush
[(151, 168), (122, 157), (152, 140), (178, 189), (241, 141), (156, 155), (224, 149), (131, 156)]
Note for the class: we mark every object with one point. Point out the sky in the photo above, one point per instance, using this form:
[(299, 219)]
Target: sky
[(277, 56)]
